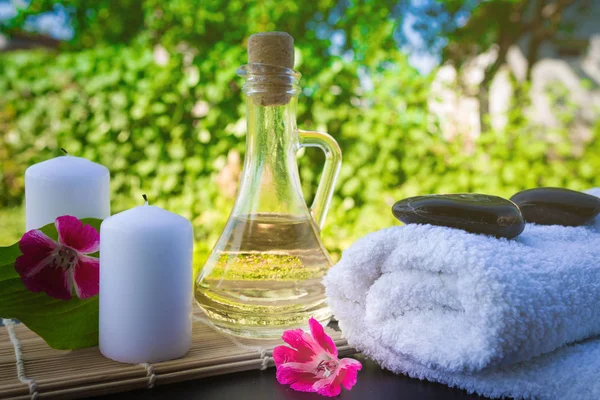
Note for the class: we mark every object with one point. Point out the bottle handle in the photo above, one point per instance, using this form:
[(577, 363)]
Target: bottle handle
[(331, 169)]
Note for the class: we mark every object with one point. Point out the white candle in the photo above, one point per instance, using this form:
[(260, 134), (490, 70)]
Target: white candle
[(145, 285), (66, 185)]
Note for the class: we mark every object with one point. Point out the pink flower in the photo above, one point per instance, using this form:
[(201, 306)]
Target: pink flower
[(55, 268), (312, 364)]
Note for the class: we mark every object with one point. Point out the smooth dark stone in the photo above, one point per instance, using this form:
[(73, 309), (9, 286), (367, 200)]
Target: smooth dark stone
[(556, 206), (477, 213)]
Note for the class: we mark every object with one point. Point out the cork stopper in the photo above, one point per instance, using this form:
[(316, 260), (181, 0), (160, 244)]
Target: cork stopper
[(271, 48), (274, 52)]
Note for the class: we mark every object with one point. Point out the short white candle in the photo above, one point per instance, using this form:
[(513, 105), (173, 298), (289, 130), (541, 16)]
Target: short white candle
[(145, 285), (66, 185)]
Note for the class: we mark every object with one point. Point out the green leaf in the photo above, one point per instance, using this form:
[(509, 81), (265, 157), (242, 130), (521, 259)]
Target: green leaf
[(63, 324), (8, 255)]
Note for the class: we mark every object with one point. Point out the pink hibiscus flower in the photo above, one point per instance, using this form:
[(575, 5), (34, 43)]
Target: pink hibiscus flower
[(312, 364), (55, 268)]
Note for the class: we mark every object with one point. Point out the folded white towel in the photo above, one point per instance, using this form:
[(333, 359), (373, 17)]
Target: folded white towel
[(569, 373), (442, 304)]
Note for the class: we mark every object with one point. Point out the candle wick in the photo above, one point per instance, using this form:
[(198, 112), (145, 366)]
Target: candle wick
[(145, 198), (63, 149)]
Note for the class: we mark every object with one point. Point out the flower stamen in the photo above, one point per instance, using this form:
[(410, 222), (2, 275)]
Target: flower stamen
[(326, 368), (66, 258)]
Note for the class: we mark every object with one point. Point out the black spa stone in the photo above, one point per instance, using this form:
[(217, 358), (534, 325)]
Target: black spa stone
[(477, 213), (556, 206)]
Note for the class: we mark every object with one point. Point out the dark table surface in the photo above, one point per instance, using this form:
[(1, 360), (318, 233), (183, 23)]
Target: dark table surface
[(373, 384)]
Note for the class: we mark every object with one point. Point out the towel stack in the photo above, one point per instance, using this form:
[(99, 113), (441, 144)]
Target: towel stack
[(493, 316)]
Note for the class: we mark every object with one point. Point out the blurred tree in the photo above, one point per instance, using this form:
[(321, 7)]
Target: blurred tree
[(459, 29), (93, 21), (502, 24), (201, 24), (469, 28)]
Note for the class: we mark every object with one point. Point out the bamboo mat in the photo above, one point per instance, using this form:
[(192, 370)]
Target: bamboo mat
[(47, 373)]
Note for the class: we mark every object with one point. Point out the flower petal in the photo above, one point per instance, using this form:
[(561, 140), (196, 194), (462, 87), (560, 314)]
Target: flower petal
[(301, 366), (348, 370), (329, 387), (291, 376), (322, 339), (52, 280), (350, 363), (73, 233), (86, 276), (284, 354), (301, 341), (37, 251), (286, 375), (307, 384), (35, 240)]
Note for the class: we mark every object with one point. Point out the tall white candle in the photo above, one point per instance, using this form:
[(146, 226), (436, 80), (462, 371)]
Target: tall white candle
[(66, 185), (145, 285)]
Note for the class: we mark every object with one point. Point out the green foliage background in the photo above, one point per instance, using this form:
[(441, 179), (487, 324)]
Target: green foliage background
[(112, 103)]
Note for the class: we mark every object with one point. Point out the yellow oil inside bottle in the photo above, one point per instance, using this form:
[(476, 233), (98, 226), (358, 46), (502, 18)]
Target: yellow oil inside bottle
[(264, 276)]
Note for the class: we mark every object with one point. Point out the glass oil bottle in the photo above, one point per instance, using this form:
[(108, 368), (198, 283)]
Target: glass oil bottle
[(264, 274)]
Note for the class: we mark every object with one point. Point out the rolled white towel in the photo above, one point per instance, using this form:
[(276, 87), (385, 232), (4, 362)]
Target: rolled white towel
[(457, 301)]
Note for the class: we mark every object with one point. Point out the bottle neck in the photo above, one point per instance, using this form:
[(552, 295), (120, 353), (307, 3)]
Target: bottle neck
[(270, 181), (271, 131)]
